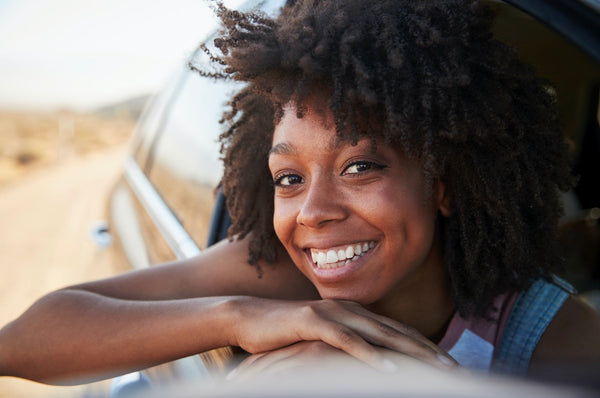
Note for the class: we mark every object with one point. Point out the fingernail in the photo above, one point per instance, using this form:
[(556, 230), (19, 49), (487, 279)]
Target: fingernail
[(445, 360), (389, 366)]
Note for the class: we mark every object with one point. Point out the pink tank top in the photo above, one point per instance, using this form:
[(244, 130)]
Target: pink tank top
[(472, 341)]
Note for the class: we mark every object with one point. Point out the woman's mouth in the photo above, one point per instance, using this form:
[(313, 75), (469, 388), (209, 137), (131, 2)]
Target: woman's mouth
[(339, 256)]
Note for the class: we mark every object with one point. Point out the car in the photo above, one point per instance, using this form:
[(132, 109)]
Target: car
[(166, 204)]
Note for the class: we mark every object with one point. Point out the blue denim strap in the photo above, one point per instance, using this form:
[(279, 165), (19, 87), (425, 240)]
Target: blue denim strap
[(532, 313)]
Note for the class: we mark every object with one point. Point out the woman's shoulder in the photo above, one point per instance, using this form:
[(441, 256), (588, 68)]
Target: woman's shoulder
[(569, 349), (572, 335), (549, 327)]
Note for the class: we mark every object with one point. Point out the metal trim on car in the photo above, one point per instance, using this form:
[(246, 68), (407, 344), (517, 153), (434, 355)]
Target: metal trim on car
[(177, 238), (578, 21), (171, 229)]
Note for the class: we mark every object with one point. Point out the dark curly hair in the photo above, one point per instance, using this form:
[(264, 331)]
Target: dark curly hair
[(442, 89)]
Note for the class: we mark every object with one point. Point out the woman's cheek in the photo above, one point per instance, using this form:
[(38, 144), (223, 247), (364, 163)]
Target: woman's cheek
[(283, 220)]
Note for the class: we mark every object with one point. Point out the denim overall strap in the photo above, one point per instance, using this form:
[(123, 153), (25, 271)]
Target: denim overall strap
[(532, 313)]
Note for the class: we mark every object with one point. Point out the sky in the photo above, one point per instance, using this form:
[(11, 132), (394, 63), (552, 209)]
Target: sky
[(82, 54)]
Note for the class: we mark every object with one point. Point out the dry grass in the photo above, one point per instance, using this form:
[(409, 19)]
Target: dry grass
[(30, 141)]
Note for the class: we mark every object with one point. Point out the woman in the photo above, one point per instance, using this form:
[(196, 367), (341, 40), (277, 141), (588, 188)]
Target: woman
[(392, 175)]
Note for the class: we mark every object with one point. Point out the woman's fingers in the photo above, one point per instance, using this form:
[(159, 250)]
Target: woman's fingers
[(396, 327), (384, 332), (266, 325), (308, 358), (345, 338)]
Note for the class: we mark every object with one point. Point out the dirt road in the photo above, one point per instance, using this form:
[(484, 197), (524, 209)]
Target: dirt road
[(45, 243)]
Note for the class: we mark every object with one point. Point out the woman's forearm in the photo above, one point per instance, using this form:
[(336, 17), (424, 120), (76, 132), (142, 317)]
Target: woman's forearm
[(141, 318), (76, 335), (71, 335)]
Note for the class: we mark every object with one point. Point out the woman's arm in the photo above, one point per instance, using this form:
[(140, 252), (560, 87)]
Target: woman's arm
[(220, 270), (141, 318), (74, 336), (99, 329)]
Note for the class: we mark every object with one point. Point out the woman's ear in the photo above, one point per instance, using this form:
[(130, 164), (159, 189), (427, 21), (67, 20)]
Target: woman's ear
[(442, 199)]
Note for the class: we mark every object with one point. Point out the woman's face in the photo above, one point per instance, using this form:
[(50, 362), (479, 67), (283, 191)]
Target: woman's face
[(356, 220)]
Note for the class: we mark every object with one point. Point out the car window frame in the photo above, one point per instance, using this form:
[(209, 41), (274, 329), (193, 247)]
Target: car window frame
[(576, 20)]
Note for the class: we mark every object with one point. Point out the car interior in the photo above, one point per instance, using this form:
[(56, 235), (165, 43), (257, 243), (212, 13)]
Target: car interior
[(575, 76)]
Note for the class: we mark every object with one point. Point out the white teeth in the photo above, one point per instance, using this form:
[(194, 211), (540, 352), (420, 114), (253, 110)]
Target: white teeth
[(321, 258), (349, 252), (332, 257), (327, 259), (357, 249)]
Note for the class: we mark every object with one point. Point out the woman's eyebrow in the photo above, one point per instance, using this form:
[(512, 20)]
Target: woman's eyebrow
[(282, 149)]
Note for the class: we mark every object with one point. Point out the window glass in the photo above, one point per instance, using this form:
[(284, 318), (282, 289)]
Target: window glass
[(151, 119), (572, 72), (182, 159), (185, 166)]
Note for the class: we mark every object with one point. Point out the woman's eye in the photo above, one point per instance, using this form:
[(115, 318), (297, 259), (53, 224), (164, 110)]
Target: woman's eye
[(362, 166), (287, 180)]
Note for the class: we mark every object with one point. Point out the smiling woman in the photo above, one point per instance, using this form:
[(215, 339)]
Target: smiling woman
[(424, 138), (327, 190), (440, 91), (392, 174)]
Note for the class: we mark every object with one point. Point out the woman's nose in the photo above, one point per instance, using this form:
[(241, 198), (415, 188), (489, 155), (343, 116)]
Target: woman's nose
[(321, 204)]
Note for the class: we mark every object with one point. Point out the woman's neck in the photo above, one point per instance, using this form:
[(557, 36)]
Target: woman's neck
[(424, 302)]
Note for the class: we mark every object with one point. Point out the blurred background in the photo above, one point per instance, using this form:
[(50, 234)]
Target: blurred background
[(74, 77)]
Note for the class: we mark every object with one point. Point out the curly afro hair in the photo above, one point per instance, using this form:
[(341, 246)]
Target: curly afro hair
[(438, 86)]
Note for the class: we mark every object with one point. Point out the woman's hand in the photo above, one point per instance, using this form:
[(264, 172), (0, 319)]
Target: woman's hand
[(262, 325), (311, 358), (305, 356)]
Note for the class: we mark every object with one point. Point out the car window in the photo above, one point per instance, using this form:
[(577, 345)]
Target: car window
[(185, 167), (152, 117), (573, 73)]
